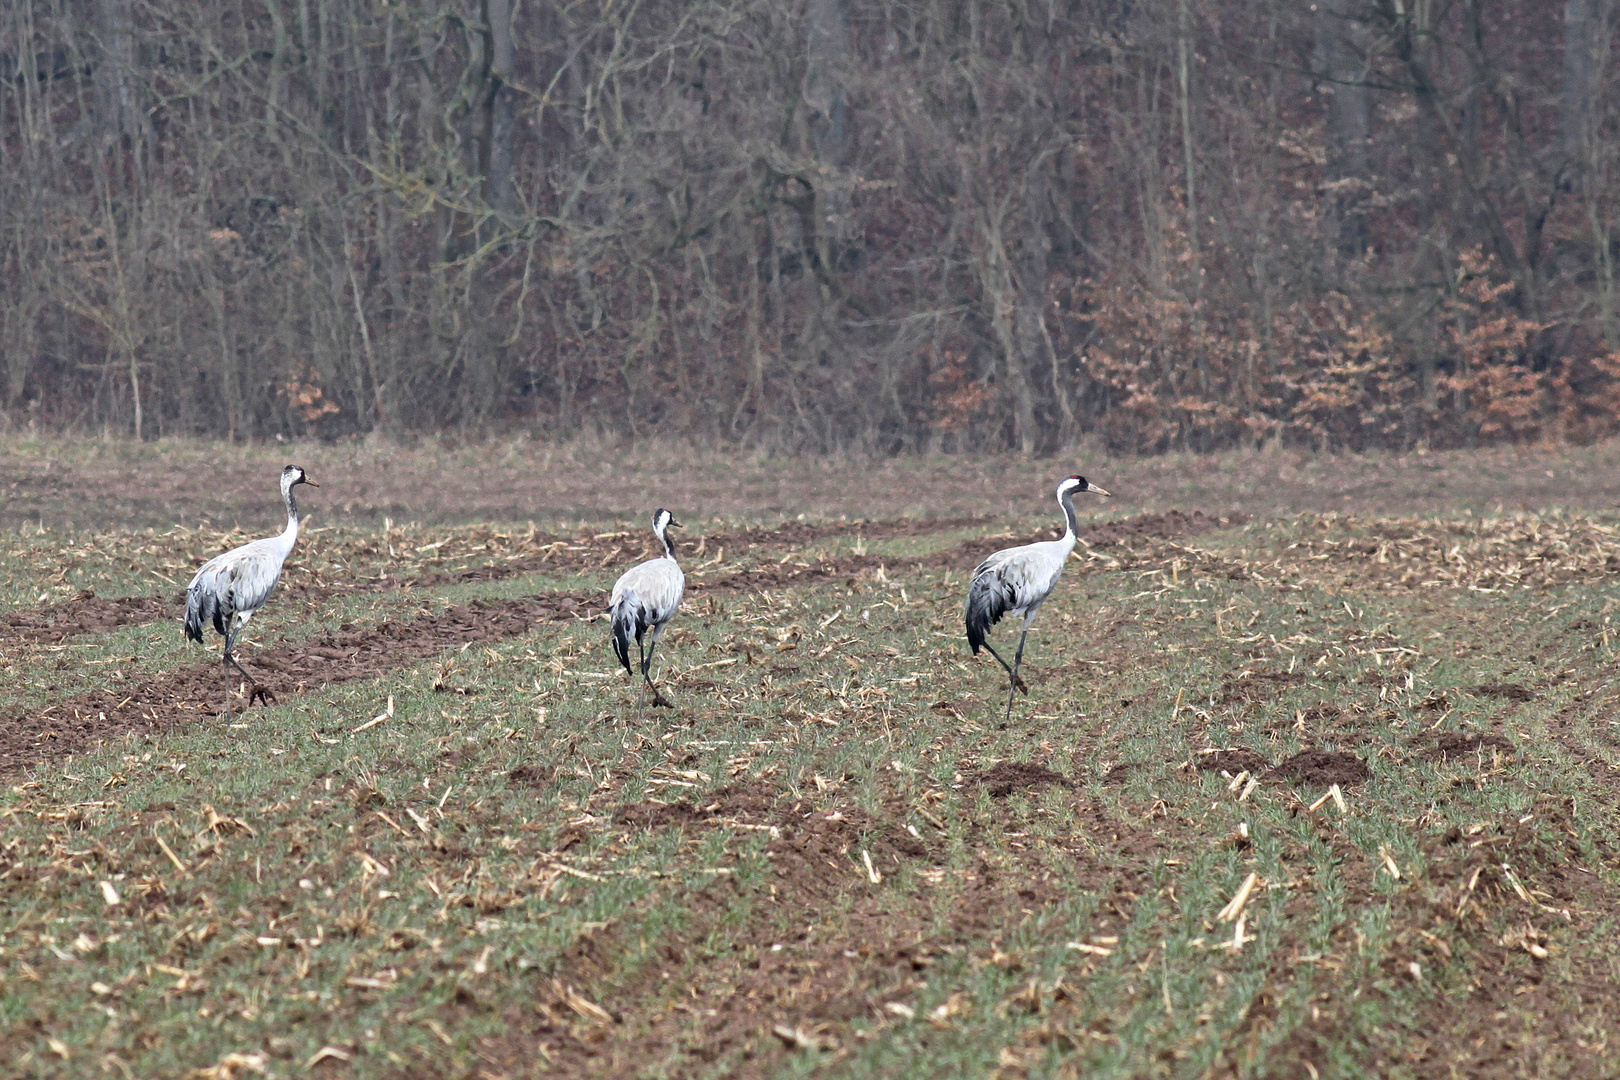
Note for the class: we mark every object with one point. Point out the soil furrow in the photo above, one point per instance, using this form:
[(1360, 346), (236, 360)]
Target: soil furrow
[(88, 613), (1460, 920), (791, 975), (72, 726), (32, 737)]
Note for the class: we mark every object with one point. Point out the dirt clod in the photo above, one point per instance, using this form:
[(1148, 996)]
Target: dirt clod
[(1323, 767), (1506, 691), (1456, 744), (533, 775), (1233, 759), (1120, 773), (1010, 776), (1257, 685), (748, 801)]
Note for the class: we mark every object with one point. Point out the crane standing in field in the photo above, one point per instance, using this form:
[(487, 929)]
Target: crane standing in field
[(646, 597), (1018, 580), (231, 587)]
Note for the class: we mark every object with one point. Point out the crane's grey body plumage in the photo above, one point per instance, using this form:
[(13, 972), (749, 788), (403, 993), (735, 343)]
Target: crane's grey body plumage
[(1017, 581), (645, 598), (230, 588)]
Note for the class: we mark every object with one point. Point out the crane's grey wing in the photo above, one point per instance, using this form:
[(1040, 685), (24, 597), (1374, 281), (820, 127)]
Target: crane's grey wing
[(624, 616), (665, 590), (658, 585), (633, 579), (646, 595), (994, 592), (238, 581), (201, 608), (1013, 579)]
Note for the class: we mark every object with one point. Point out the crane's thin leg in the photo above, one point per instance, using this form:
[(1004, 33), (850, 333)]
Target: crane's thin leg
[(1010, 673), (1018, 659), (641, 698), (659, 700), (256, 691)]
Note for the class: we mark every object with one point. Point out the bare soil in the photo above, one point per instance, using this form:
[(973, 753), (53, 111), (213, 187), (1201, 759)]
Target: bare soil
[(1009, 776), (1234, 760), (791, 953), (1322, 768), (76, 724), (1506, 691), (198, 693), (1457, 744), (76, 483), (86, 613)]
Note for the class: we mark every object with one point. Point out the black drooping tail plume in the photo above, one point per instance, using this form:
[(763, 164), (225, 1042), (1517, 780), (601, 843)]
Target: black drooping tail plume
[(627, 625), (201, 608), (988, 600)]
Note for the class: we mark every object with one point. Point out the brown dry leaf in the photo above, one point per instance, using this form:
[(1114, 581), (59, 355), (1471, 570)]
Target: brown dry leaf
[(224, 826), (325, 1053), (957, 1004), (227, 1067), (1529, 939), (1095, 950), (583, 1005), (799, 1039), (1030, 1001), (1234, 907)]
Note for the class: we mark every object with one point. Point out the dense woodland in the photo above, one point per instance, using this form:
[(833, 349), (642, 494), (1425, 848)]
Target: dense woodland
[(814, 224)]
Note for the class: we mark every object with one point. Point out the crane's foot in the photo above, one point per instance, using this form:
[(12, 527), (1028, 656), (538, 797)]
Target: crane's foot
[(659, 701), (1022, 685), (260, 693)]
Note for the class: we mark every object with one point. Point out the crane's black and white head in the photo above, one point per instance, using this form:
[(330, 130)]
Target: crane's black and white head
[(1075, 483), (663, 521), (293, 475)]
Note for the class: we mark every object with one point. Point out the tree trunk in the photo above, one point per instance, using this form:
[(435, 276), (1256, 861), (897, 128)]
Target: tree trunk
[(502, 107), (1580, 24), (1184, 109), (1345, 70), (826, 57)]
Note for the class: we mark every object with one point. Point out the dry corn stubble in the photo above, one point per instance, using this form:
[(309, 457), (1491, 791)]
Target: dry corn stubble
[(519, 877)]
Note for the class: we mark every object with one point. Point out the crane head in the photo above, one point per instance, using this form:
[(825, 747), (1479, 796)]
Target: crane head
[(292, 474), (1079, 483), (663, 519)]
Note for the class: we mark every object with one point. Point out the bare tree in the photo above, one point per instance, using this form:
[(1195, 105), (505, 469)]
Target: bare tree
[(812, 223)]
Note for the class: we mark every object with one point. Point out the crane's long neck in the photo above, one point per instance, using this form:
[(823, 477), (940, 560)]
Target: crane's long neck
[(669, 545), (1066, 500), (290, 533)]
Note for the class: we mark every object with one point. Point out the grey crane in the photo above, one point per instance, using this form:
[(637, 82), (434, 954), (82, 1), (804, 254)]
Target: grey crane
[(231, 587), (646, 597), (1018, 580)]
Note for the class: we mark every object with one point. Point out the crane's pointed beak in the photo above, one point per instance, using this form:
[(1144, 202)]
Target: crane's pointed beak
[(1095, 490), (673, 524), (310, 482)]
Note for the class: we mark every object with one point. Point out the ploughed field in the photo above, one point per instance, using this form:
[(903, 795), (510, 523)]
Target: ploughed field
[(1289, 796)]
